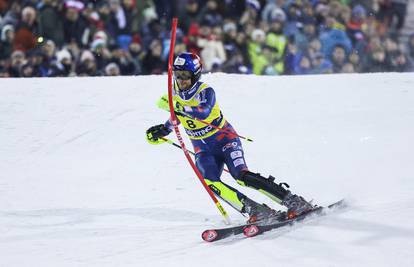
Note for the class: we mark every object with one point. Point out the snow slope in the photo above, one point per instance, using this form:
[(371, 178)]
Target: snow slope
[(80, 186)]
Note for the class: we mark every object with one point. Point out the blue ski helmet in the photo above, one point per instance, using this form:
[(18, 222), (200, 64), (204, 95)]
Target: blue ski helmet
[(189, 62)]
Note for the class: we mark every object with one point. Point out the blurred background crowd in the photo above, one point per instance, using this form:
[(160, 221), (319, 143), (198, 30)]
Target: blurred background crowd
[(60, 38)]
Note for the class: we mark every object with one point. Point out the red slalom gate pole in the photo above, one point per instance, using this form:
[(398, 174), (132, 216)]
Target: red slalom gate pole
[(174, 121)]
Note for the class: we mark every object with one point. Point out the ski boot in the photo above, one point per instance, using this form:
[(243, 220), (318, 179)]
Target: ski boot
[(296, 205), (261, 213)]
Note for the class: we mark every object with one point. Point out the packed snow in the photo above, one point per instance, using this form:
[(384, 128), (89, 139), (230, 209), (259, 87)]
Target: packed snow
[(80, 186)]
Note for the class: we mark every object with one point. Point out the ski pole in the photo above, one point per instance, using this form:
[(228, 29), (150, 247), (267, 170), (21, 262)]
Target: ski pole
[(171, 142)]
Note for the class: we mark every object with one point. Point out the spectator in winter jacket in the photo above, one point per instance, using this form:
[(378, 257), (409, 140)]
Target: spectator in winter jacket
[(74, 23), (189, 15), (51, 23), (410, 53), (153, 62), (321, 65), (209, 14), (332, 37), (112, 69), (278, 41), (18, 59), (87, 65), (304, 66), (26, 30), (338, 58), (6, 41), (212, 48), (62, 67)]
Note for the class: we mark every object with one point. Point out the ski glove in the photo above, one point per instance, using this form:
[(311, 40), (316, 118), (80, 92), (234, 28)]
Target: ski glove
[(163, 103), (155, 134)]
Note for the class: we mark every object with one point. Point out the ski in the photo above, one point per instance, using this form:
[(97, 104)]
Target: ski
[(254, 230), (212, 235), (250, 230)]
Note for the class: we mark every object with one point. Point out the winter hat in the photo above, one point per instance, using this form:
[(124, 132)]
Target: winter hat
[(63, 54), (277, 14), (229, 26), (258, 33), (4, 31), (100, 38), (78, 5), (86, 55), (110, 67), (253, 4), (17, 53), (359, 10)]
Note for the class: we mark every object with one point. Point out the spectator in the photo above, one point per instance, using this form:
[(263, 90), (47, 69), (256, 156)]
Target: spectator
[(256, 57), (6, 41), (112, 69), (4, 73), (304, 66), (410, 53), (12, 16), (74, 23), (376, 61), (26, 30), (338, 58), (321, 65), (124, 61), (354, 27), (50, 22), (278, 41), (18, 59), (62, 67), (189, 15), (153, 62), (35, 59), (212, 48), (191, 40), (210, 15), (303, 37), (87, 65), (332, 37), (395, 11), (251, 13), (137, 54)]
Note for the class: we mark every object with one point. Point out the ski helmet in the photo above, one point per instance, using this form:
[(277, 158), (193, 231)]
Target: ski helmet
[(189, 62)]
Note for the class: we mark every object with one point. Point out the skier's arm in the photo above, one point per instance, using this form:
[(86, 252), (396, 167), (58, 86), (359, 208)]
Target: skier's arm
[(168, 124), (207, 102)]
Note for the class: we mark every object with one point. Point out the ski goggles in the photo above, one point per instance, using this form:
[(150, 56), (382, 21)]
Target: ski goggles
[(182, 75)]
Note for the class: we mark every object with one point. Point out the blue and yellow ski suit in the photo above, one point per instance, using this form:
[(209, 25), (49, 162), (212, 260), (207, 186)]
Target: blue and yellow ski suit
[(213, 147)]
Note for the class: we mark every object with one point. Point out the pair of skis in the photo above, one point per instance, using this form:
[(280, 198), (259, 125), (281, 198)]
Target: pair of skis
[(251, 230)]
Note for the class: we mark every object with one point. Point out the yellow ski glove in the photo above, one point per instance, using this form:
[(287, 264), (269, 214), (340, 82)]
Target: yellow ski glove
[(155, 134)]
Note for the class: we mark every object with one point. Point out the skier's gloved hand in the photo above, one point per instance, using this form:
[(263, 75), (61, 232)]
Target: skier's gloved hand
[(155, 134), (178, 108)]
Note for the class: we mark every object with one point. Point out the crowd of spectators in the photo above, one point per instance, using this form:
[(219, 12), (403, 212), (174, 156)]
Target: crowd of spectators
[(56, 38)]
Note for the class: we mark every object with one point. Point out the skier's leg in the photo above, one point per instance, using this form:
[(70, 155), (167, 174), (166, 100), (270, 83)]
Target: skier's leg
[(296, 204), (211, 168), (234, 158)]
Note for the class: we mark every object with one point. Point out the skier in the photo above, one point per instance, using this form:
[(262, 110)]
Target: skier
[(214, 147)]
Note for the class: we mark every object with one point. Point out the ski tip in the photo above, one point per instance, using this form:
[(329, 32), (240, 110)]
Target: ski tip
[(209, 235), (251, 230)]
